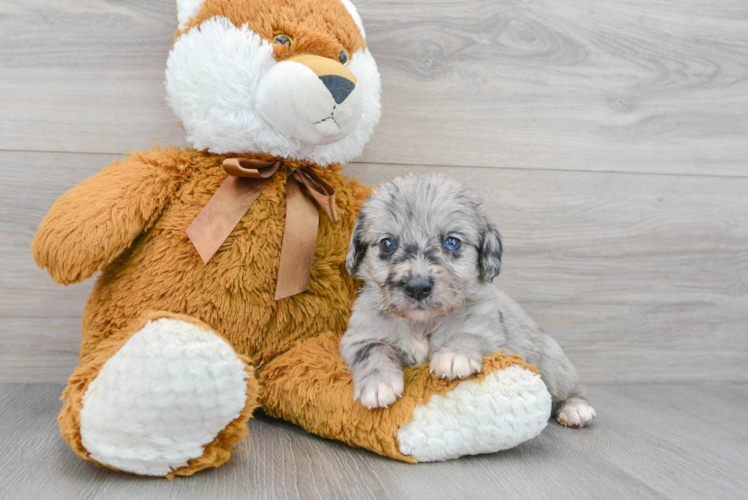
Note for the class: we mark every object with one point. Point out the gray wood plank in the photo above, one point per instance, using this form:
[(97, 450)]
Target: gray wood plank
[(677, 453), (638, 448), (629, 85), (641, 278), (39, 320)]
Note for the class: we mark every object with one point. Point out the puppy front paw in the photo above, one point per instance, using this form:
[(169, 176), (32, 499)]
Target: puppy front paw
[(451, 365), (575, 412), (379, 389)]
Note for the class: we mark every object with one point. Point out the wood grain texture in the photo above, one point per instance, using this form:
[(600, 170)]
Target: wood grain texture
[(39, 320), (649, 442), (627, 85), (641, 278), (540, 106)]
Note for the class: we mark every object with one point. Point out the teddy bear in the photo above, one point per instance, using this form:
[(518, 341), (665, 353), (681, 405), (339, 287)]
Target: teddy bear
[(222, 284)]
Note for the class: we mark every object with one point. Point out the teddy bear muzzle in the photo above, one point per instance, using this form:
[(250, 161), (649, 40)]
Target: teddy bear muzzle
[(313, 99)]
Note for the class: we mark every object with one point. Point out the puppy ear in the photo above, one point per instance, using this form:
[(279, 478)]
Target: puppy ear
[(489, 254), (357, 248)]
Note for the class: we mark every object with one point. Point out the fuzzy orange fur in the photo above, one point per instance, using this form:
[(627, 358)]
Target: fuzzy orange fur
[(129, 220), (317, 27), (323, 403)]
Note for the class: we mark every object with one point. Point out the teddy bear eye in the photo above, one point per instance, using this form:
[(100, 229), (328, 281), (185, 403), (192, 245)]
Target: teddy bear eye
[(343, 57), (283, 40)]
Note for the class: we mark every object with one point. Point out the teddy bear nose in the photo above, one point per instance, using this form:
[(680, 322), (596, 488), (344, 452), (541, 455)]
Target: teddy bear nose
[(340, 88), (418, 288)]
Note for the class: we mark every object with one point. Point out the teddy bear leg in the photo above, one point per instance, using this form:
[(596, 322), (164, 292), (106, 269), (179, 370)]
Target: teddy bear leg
[(499, 408), (165, 397)]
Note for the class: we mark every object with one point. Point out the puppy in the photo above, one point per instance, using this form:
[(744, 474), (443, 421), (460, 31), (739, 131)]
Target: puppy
[(427, 255)]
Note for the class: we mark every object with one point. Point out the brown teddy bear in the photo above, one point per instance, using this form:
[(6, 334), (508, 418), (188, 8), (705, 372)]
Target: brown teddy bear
[(222, 287)]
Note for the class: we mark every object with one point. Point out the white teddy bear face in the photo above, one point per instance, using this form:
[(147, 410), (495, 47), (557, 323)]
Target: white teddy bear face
[(314, 99), (236, 91)]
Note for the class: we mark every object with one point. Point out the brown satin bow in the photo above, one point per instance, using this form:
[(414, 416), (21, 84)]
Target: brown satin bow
[(247, 178)]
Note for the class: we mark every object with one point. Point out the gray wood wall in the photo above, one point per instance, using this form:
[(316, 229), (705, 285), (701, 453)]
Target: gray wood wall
[(608, 138)]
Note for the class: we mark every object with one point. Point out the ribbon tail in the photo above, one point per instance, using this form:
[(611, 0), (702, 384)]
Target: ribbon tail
[(223, 212), (318, 189), (299, 242)]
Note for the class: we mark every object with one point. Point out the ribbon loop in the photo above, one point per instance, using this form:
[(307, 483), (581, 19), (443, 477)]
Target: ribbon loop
[(250, 168), (242, 187)]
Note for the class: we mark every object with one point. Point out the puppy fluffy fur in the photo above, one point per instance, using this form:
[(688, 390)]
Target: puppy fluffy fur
[(427, 254)]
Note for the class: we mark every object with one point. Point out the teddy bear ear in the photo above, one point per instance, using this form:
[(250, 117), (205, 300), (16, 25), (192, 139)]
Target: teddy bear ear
[(354, 14), (187, 9)]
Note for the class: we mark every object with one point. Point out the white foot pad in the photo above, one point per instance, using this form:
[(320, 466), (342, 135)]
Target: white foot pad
[(164, 395), (509, 407)]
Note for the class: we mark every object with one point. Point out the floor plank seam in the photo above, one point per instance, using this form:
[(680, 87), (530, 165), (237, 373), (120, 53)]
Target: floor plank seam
[(428, 165)]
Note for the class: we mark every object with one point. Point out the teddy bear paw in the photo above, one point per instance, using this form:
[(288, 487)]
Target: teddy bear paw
[(164, 395)]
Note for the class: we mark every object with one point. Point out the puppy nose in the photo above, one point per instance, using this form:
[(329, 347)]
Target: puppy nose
[(418, 288), (340, 88)]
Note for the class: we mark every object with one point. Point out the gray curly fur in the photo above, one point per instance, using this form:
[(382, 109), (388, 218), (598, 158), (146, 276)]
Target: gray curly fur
[(463, 318)]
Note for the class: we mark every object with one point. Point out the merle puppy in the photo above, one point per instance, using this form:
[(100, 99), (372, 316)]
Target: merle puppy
[(427, 255)]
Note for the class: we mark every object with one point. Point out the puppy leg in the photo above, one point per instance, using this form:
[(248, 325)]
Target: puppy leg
[(459, 357), (575, 412), (377, 372), (570, 407)]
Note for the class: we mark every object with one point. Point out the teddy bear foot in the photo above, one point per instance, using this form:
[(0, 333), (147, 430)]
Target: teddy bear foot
[(163, 403), (506, 408), (436, 419)]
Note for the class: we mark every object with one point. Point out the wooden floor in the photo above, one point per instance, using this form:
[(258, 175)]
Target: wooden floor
[(657, 441), (609, 139)]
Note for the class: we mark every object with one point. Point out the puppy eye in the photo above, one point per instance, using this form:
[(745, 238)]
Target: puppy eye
[(387, 245), (452, 244), (343, 57), (283, 40)]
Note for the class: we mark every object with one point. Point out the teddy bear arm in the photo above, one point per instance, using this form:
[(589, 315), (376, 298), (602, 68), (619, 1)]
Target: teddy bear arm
[(93, 223)]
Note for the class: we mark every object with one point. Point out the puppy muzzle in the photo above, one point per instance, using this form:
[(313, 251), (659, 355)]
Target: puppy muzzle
[(313, 99), (412, 298), (419, 288)]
